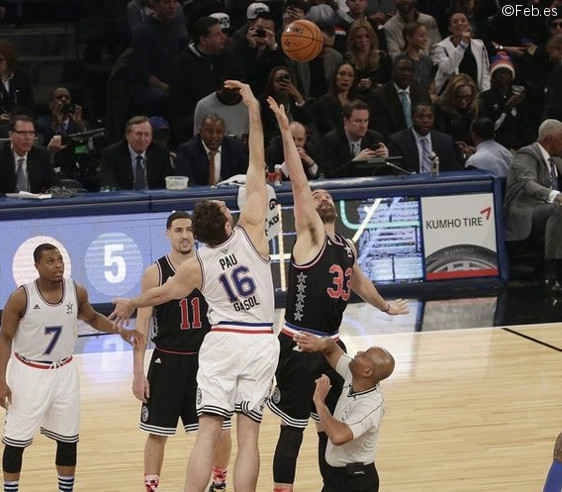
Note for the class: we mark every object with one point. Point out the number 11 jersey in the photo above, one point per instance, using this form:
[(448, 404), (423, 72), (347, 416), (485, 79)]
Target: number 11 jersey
[(318, 291)]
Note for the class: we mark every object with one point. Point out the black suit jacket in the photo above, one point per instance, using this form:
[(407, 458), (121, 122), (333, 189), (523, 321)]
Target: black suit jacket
[(404, 143), (192, 160), (40, 174), (387, 116), (117, 170), (336, 159)]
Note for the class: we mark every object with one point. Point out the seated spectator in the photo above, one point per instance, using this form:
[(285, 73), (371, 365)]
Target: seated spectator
[(372, 66), (533, 203), (224, 21), (258, 53), (199, 71), (506, 105), (23, 165), (456, 109), (460, 53), (308, 152), (354, 142), (394, 28), (314, 77), (161, 135), (226, 103), (211, 157), (16, 91), (281, 87), (490, 155), (155, 44), (292, 10), (353, 11), (328, 109), (420, 144), (553, 92), (135, 163), (393, 102), (416, 38), (139, 11)]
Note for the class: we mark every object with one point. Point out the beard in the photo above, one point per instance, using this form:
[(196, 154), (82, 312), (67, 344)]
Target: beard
[(327, 213)]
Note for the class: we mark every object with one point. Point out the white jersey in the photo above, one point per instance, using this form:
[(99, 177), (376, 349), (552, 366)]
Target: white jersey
[(237, 284), (47, 332)]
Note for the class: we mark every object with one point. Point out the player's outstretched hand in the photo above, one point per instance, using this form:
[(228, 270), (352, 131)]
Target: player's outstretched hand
[(279, 112), (309, 343), (323, 386), (5, 395), (399, 306), (134, 337), (141, 388), (245, 91), (122, 312)]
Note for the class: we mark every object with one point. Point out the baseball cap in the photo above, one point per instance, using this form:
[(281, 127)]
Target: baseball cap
[(223, 18), (255, 9)]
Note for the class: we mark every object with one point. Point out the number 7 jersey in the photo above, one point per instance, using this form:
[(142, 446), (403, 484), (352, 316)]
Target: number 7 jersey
[(47, 331), (237, 285), (318, 291)]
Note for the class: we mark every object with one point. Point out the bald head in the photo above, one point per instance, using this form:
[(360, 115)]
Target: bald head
[(298, 131), (383, 363), (372, 366)]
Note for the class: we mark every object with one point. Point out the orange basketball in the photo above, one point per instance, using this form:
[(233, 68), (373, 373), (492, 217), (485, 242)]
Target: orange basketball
[(302, 40)]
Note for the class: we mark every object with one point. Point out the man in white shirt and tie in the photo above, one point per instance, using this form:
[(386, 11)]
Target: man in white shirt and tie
[(23, 165)]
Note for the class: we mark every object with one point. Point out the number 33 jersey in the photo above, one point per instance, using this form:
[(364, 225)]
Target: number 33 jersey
[(47, 331), (318, 291), (237, 284)]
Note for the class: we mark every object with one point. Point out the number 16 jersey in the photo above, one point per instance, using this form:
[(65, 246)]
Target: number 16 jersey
[(318, 291)]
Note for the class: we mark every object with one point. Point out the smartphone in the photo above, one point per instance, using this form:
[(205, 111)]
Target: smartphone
[(260, 33), (518, 89)]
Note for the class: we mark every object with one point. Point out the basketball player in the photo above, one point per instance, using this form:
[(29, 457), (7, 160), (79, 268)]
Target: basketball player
[(41, 389), (322, 273), (169, 390), (238, 357)]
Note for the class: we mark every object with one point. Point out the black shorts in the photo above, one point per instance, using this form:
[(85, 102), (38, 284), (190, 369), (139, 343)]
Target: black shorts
[(363, 478), (296, 372)]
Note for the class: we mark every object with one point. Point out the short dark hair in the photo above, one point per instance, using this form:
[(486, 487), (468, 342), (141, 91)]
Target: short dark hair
[(175, 215), (213, 118), (421, 105), (484, 128), (38, 251), (201, 27), (208, 223), (20, 117), (297, 4), (351, 106), (400, 58), (135, 120)]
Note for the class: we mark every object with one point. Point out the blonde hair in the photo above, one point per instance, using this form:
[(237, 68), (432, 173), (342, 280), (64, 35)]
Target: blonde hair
[(373, 59), (446, 101)]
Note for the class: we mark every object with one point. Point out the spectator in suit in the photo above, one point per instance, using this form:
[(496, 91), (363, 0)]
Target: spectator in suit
[(155, 46), (372, 66), (394, 27), (24, 166), (308, 152), (199, 71), (393, 102), (135, 163), (354, 142), (490, 155), (211, 157), (419, 144), (460, 53), (533, 203), (553, 92)]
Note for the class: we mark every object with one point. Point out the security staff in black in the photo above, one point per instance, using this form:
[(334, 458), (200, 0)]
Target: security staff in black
[(169, 391), (324, 271)]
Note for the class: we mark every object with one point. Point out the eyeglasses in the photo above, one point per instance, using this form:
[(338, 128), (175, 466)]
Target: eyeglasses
[(25, 133)]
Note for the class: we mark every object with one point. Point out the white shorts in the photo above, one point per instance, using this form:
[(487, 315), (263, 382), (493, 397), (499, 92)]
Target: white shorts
[(236, 373), (46, 399)]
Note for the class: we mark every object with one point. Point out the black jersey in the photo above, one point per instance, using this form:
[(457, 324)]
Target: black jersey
[(179, 325), (318, 291)]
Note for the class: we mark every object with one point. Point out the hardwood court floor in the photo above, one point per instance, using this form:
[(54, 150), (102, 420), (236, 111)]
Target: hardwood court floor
[(466, 410)]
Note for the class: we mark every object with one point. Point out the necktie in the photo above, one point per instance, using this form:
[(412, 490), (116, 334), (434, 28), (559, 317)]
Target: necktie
[(406, 106), (355, 148), (211, 156), (553, 176), (21, 178), (140, 179), (426, 156)]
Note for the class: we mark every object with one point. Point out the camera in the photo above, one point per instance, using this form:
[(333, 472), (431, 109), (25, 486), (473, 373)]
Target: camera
[(260, 32), (68, 108)]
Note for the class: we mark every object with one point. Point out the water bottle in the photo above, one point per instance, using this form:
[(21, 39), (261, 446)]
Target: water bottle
[(434, 163)]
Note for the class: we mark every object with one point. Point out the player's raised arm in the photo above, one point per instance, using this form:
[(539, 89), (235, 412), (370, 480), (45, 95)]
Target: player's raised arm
[(254, 212), (306, 217)]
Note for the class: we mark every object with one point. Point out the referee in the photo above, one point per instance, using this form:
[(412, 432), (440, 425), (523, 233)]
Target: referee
[(350, 438)]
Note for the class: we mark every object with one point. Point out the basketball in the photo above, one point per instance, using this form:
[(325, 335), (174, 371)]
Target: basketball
[(302, 40)]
